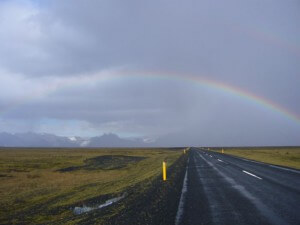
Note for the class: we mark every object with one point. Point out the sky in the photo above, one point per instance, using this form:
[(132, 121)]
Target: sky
[(219, 73)]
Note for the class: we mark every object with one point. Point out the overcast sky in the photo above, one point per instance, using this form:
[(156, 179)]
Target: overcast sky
[(62, 69)]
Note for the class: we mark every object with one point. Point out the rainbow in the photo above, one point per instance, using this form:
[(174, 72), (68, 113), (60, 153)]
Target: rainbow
[(195, 79), (224, 87)]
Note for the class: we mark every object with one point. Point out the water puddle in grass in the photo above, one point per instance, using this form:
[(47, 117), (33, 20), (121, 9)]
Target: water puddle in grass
[(84, 209)]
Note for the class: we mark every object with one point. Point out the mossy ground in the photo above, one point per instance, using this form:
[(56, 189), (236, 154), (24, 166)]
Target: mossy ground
[(34, 191)]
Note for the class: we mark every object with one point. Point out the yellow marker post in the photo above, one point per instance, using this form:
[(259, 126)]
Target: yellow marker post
[(164, 171), (222, 150)]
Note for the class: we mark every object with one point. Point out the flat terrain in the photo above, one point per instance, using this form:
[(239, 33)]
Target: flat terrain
[(45, 185), (283, 156), (223, 189)]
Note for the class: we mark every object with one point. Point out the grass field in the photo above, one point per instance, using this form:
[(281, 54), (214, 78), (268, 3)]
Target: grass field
[(283, 156), (36, 182)]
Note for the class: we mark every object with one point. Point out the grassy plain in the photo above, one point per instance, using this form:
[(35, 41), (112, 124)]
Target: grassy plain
[(34, 183), (283, 156)]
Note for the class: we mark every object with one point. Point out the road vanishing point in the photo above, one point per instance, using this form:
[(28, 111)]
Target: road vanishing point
[(223, 189)]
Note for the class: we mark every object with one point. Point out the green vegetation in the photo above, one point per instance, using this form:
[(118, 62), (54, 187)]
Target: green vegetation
[(43, 185), (283, 156)]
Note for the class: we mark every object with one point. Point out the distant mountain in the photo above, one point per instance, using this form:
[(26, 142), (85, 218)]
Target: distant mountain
[(31, 139), (113, 140), (7, 139), (78, 141)]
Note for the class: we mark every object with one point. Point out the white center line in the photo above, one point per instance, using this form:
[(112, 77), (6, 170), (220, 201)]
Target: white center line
[(220, 160), (252, 174), (210, 155)]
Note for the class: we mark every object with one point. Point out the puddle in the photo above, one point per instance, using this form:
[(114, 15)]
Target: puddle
[(84, 209)]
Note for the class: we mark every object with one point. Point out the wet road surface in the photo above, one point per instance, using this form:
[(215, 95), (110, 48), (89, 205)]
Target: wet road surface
[(222, 189)]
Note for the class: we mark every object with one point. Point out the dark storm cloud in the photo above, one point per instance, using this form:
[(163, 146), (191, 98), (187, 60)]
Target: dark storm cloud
[(250, 44), (148, 107)]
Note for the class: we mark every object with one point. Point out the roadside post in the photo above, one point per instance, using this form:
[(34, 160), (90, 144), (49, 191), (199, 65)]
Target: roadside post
[(222, 150), (184, 151), (164, 171)]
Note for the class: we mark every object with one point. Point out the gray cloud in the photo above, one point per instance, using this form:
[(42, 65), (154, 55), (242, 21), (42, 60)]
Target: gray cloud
[(50, 52)]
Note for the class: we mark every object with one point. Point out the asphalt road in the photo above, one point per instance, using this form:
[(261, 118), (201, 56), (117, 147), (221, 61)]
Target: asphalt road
[(222, 189)]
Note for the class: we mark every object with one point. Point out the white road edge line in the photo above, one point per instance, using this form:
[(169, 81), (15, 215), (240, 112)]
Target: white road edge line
[(282, 168), (182, 198), (273, 217), (248, 160), (220, 160), (251, 174)]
